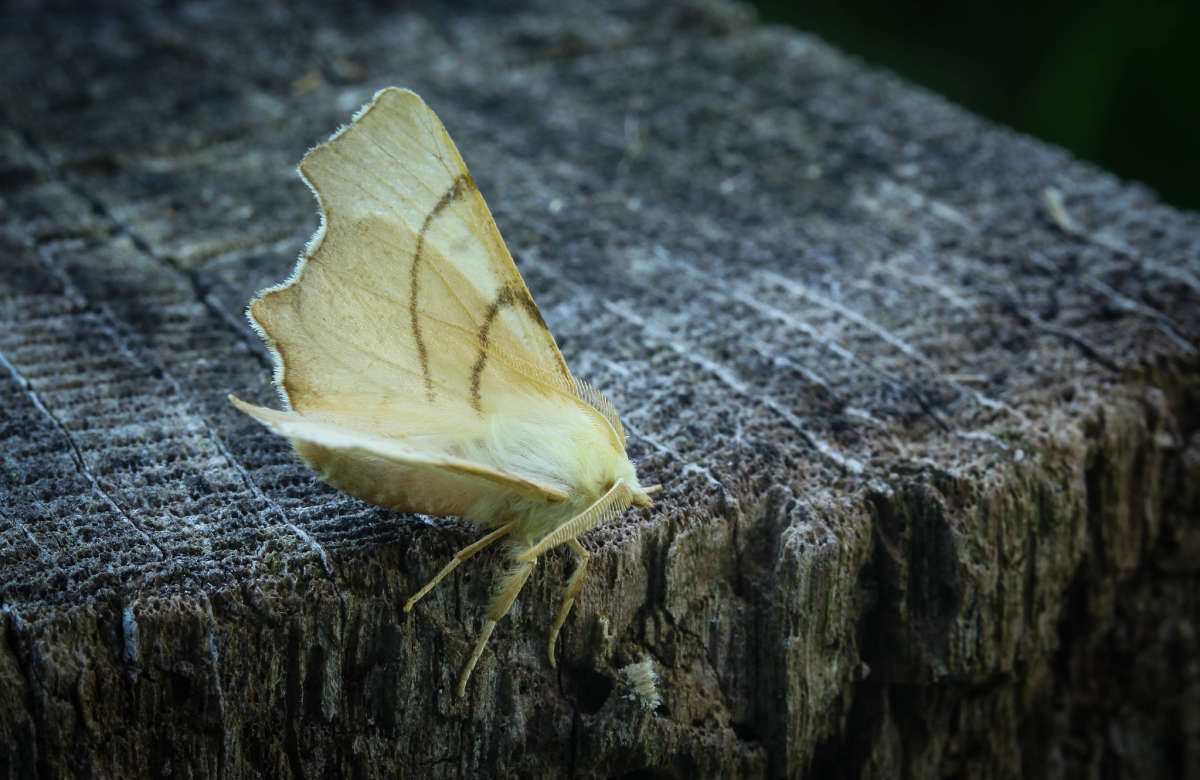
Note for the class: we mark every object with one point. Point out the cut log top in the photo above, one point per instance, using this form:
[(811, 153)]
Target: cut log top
[(922, 393)]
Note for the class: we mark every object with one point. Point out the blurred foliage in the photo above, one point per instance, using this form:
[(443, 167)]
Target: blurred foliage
[(1114, 82)]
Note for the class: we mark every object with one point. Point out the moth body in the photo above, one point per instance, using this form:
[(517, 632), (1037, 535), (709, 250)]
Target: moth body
[(568, 447), (415, 369)]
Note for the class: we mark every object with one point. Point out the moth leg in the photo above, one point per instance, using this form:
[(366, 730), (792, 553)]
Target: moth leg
[(501, 602), (460, 556), (574, 585)]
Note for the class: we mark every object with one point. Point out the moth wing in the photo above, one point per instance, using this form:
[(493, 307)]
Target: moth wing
[(407, 295), (397, 474)]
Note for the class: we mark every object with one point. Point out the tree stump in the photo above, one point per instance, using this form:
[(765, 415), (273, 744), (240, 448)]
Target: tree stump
[(923, 392)]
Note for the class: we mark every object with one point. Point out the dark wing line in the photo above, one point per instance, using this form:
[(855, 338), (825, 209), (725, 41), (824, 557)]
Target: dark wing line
[(497, 250), (414, 276), (351, 367), (379, 242), (508, 297), (446, 153), (531, 371), (352, 281), (504, 298), (333, 355), (497, 259), (480, 222), (527, 368), (448, 196)]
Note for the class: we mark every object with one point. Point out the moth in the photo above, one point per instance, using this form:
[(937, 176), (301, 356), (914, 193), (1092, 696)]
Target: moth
[(417, 373)]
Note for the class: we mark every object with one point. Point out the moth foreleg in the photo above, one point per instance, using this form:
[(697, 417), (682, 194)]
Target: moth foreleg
[(458, 558), (574, 586), (502, 601)]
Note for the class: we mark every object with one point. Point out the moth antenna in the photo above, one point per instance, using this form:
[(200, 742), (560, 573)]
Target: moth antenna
[(614, 502)]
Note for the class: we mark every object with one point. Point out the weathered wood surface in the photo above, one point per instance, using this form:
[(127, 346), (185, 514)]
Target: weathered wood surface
[(930, 445)]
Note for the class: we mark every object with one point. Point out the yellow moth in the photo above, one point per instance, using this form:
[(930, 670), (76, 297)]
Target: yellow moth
[(415, 369)]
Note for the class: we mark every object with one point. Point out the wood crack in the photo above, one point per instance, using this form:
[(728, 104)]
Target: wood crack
[(121, 341), (76, 455)]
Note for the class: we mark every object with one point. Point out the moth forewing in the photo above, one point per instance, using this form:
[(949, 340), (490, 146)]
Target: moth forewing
[(416, 370)]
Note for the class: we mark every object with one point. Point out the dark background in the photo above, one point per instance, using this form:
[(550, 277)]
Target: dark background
[(1114, 83)]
